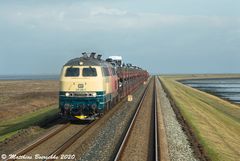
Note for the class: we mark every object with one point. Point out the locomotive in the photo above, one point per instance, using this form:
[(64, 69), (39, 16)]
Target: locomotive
[(90, 86)]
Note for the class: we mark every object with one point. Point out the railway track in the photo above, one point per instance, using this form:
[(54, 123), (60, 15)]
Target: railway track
[(70, 141), (55, 142), (147, 108), (41, 140), (156, 139)]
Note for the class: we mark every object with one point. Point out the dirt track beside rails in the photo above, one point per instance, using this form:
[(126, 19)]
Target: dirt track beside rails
[(25, 96)]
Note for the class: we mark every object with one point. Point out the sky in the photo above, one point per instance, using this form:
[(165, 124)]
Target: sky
[(162, 36)]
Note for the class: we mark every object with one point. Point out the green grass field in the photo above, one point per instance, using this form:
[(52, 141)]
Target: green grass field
[(215, 122), (10, 127)]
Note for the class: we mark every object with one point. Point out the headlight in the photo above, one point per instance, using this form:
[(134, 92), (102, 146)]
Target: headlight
[(94, 94), (67, 94)]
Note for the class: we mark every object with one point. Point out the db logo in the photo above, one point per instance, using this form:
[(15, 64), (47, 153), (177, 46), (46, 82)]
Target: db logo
[(80, 85)]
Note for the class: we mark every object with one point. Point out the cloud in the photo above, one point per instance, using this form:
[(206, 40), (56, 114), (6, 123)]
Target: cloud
[(107, 11), (78, 17)]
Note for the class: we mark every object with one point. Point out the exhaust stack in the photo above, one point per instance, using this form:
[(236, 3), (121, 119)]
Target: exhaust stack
[(93, 55), (85, 55), (99, 57)]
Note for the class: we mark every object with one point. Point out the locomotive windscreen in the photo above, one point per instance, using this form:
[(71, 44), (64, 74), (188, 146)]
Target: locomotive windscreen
[(89, 72), (72, 72)]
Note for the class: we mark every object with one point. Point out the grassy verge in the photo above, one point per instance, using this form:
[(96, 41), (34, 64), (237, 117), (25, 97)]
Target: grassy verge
[(10, 127), (215, 122)]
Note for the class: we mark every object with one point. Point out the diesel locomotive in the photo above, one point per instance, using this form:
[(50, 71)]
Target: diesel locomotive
[(90, 86)]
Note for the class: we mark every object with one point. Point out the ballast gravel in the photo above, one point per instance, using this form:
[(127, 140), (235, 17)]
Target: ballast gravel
[(178, 144)]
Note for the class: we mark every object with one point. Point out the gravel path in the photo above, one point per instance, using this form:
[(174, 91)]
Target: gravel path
[(178, 145)]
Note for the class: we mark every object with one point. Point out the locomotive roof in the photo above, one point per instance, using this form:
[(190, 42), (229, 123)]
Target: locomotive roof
[(87, 61)]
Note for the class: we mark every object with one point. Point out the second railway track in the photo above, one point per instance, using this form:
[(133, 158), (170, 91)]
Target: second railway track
[(142, 141), (55, 142)]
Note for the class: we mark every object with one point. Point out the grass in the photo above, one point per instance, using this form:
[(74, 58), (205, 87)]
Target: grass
[(10, 127), (215, 122)]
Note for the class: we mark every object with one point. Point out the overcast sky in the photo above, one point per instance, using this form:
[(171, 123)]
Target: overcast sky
[(162, 36)]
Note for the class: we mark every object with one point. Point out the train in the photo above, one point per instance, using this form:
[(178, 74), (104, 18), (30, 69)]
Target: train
[(90, 85)]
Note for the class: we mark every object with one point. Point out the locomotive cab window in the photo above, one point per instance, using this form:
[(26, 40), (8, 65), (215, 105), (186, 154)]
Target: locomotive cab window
[(89, 72), (72, 72), (105, 72)]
